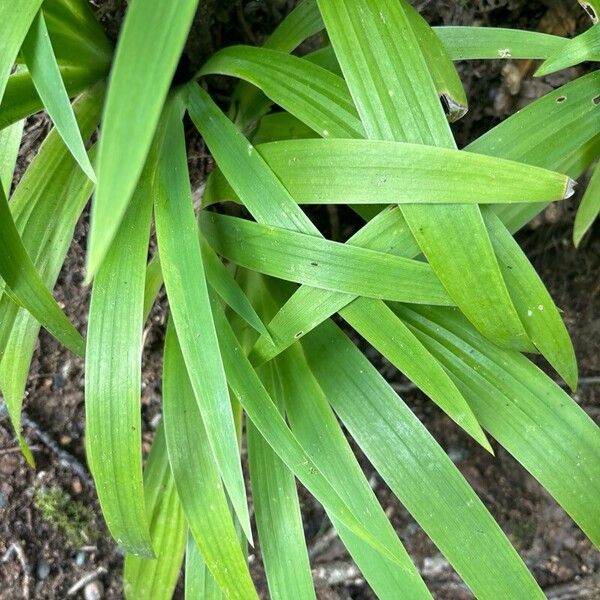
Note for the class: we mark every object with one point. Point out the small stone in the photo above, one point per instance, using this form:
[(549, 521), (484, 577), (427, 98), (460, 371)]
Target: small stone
[(155, 422), (3, 501), (80, 559), (43, 569), (434, 566), (76, 486), (93, 590)]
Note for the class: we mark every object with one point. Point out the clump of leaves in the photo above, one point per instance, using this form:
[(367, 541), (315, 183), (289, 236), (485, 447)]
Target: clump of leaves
[(72, 518), (434, 280)]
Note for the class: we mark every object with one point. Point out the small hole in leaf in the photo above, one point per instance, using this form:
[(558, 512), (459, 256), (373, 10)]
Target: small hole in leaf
[(299, 334), (314, 264), (589, 9), (596, 100), (561, 99)]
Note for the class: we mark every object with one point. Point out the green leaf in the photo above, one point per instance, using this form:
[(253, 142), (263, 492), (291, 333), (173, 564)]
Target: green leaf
[(476, 43), (580, 49), (25, 286), (198, 483), (21, 99), (303, 22), (322, 263), (199, 583), (77, 37), (260, 408), (380, 327), (10, 140), (369, 171), (276, 126), (263, 194), (589, 208), (39, 56), (315, 426), (15, 25), (397, 100), (387, 233), (223, 282), (245, 169), (445, 78), (182, 264), (156, 578), (416, 468), (150, 44), (218, 277), (540, 317), (283, 77), (299, 25), (46, 205), (536, 421), (113, 376), (277, 511), (546, 133)]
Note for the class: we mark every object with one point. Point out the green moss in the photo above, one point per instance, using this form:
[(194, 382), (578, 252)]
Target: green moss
[(73, 518)]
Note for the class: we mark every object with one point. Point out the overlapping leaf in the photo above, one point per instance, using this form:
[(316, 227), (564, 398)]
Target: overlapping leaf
[(156, 578), (150, 43), (198, 483), (589, 208), (113, 377), (185, 283), (44, 71)]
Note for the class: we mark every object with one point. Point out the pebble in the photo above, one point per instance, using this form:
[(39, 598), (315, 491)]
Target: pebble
[(76, 486), (43, 569), (3, 501), (434, 566), (93, 591), (80, 558)]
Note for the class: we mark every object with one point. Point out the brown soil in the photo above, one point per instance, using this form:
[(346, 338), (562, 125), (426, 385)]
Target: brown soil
[(562, 559)]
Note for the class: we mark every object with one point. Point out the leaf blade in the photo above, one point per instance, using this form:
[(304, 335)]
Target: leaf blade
[(150, 43)]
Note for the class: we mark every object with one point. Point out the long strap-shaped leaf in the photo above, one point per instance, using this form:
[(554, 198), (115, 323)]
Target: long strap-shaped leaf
[(77, 35), (150, 43), (45, 205), (363, 171), (199, 583), (580, 49), (277, 511), (317, 429), (41, 63), (476, 43), (396, 100), (197, 478), (417, 470), (548, 133), (271, 203), (21, 98), (321, 263), (25, 286), (15, 25), (156, 578), (523, 409), (183, 271), (526, 136), (260, 408), (589, 208), (10, 141), (113, 377), (270, 70)]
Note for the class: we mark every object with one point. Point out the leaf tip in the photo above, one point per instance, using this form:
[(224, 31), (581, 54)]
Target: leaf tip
[(569, 188)]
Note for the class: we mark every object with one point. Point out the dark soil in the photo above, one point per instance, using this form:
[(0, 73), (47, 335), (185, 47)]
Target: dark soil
[(565, 563)]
